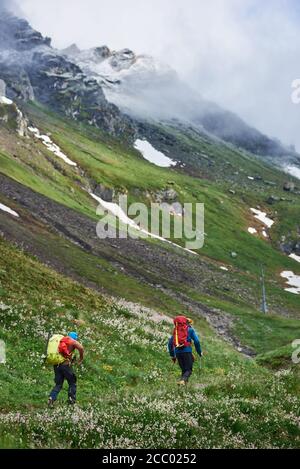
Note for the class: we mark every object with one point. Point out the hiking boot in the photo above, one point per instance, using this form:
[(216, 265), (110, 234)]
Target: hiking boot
[(71, 401), (50, 403), (181, 382)]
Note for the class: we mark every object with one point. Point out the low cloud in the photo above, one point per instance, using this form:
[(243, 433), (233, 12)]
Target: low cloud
[(11, 5), (240, 53)]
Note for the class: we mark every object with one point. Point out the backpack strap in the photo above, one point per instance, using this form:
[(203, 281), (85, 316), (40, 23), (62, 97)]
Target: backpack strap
[(176, 335)]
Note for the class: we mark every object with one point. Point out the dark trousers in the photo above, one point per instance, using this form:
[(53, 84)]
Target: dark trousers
[(62, 373), (185, 361)]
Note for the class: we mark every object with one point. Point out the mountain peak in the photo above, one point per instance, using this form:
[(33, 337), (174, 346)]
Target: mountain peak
[(95, 55), (33, 70), (16, 33), (73, 49)]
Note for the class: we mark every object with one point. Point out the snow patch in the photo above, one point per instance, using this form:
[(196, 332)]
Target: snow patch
[(265, 234), (251, 178), (252, 230), (5, 100), (292, 280), (153, 155), (116, 210), (224, 268), (262, 217), (295, 257), (6, 209), (51, 146), (293, 170)]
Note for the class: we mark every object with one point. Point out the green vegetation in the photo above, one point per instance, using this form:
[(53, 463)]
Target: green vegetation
[(114, 165), (127, 385), (278, 358), (261, 332)]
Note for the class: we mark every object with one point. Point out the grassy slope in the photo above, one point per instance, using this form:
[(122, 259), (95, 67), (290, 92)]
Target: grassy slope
[(89, 268), (262, 333), (126, 389), (127, 395), (227, 217)]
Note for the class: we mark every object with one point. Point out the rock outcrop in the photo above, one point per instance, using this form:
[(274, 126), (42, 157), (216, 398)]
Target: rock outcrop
[(12, 118), (33, 70)]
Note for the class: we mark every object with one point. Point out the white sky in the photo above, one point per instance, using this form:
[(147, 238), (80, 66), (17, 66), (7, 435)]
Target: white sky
[(243, 54)]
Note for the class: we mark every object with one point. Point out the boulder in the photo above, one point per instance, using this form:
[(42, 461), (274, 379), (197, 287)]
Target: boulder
[(289, 186), (105, 193), (166, 195), (273, 199), (13, 119), (297, 248), (289, 246)]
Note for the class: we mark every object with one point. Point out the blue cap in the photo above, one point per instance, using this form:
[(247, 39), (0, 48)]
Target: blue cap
[(73, 335)]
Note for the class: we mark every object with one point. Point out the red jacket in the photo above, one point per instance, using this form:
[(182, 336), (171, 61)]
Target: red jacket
[(67, 346)]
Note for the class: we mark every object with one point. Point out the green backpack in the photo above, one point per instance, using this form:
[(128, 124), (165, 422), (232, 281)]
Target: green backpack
[(53, 357)]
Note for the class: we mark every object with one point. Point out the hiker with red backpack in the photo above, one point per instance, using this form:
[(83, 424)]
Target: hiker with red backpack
[(60, 354), (180, 347)]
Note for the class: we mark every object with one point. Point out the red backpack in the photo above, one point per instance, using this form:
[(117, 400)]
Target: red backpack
[(181, 332), (65, 346)]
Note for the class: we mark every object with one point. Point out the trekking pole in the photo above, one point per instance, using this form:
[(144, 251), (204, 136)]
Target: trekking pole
[(201, 362)]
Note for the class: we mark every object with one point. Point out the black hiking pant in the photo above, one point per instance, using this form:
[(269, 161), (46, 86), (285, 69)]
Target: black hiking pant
[(185, 361), (62, 373)]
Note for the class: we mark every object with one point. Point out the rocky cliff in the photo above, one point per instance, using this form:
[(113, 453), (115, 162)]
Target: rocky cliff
[(33, 70)]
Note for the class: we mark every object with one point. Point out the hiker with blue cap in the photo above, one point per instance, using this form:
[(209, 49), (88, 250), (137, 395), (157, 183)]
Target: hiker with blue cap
[(62, 359)]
